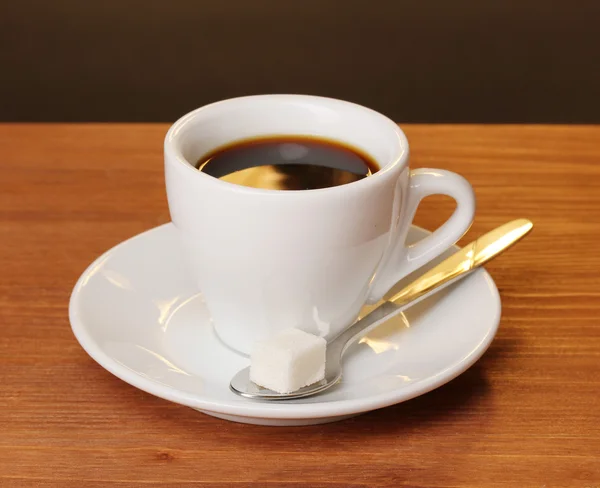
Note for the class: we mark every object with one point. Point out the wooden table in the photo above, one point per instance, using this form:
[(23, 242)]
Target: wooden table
[(526, 415)]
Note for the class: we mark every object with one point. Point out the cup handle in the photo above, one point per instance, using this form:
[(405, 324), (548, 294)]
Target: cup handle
[(402, 259)]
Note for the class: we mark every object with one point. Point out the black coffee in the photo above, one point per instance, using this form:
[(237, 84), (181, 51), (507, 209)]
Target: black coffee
[(288, 163)]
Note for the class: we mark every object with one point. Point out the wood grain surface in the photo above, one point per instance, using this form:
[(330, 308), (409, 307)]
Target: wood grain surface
[(526, 415)]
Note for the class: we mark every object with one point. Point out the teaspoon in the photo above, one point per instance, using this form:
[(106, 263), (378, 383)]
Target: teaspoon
[(452, 269)]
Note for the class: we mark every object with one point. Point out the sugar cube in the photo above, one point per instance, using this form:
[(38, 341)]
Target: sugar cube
[(288, 361)]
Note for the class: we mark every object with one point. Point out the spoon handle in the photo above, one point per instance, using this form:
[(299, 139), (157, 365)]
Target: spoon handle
[(448, 271)]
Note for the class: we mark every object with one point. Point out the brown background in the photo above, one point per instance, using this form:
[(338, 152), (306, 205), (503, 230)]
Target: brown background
[(416, 61)]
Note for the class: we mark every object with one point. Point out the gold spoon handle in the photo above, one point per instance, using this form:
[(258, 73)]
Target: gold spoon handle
[(473, 255), (453, 268)]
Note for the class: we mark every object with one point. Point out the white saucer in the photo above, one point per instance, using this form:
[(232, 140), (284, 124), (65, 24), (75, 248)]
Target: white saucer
[(138, 314)]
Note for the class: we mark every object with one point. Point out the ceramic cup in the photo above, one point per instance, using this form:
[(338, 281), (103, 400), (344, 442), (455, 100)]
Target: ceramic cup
[(267, 260)]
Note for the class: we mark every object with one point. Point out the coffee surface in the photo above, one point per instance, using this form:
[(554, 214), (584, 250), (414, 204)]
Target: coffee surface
[(288, 163)]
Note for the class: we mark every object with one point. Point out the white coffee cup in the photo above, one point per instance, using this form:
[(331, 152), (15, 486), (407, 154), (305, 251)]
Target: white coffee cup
[(267, 260)]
